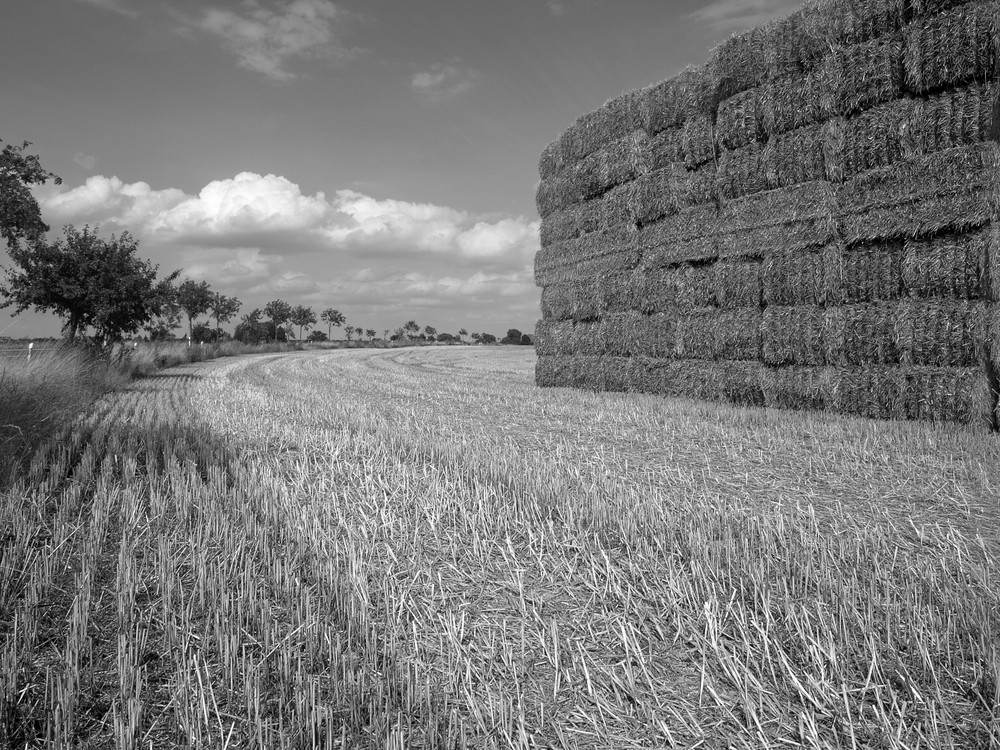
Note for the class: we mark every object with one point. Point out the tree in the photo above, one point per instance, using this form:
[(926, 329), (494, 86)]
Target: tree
[(223, 309), (410, 329), (88, 282), (462, 333), (526, 340), (513, 337), (303, 317), (317, 336), (195, 299), (487, 338), (430, 332), (370, 333), (349, 331), (204, 333), (20, 217), (477, 337), (333, 319), (162, 325), (279, 312), (446, 338), (250, 331), (385, 335)]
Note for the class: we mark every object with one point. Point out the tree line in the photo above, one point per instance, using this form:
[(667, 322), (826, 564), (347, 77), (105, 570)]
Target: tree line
[(102, 286)]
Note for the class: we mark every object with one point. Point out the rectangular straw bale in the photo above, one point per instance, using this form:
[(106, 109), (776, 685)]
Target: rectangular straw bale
[(955, 47), (689, 235), (614, 120), (681, 287), (693, 187), (668, 104), (666, 148), (617, 209), (795, 157), (621, 334), (741, 172), (949, 265), (867, 272), (618, 292), (790, 103), (933, 7), (862, 334), (797, 45), (788, 218), (555, 337), (740, 62), (699, 140), (956, 117), (573, 301), (590, 255), (550, 372), (795, 277), (919, 196), (644, 201), (796, 387), (570, 223), (739, 120), (738, 282), (860, 76), (871, 391), (942, 333), (552, 160), (866, 141), (720, 334), (953, 394), (793, 335)]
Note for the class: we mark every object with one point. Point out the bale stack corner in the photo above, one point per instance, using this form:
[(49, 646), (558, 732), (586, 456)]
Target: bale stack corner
[(806, 221)]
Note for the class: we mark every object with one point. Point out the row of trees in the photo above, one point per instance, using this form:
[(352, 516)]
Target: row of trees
[(103, 285)]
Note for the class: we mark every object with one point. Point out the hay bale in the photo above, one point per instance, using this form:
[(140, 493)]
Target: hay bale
[(867, 141), (741, 62), (720, 334), (699, 141), (573, 222), (956, 117), (741, 172), (791, 103), (795, 157), (688, 235), (555, 337), (797, 45), (617, 292), (739, 120), (871, 391), (860, 76), (666, 148), (681, 287), (867, 272), (587, 257), (950, 265), (615, 119), (668, 104), (693, 187), (551, 161), (573, 301), (793, 335), (954, 394), (736, 382), (796, 277), (955, 47), (933, 7), (942, 333), (645, 201), (796, 387), (862, 334), (926, 195), (738, 283)]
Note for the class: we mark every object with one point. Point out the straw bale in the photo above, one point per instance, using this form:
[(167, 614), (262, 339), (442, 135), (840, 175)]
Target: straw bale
[(956, 117), (942, 333), (742, 171), (867, 272), (737, 382), (796, 277), (572, 222), (698, 140), (573, 301), (551, 160), (617, 292), (919, 196), (858, 77), (793, 335), (789, 219), (933, 7), (862, 334), (949, 265), (739, 120), (958, 46), (791, 103), (616, 209), (740, 62), (954, 394), (666, 148), (615, 119), (688, 235), (738, 283), (797, 45), (632, 334), (644, 201), (867, 141), (717, 334), (795, 157), (693, 187), (550, 372), (668, 104), (595, 254), (872, 391), (554, 337), (682, 287), (796, 387)]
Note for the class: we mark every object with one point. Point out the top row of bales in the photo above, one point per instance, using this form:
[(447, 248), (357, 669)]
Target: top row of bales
[(830, 58)]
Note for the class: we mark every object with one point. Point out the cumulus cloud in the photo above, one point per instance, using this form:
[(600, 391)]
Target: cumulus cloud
[(445, 80), (734, 15), (555, 8), (261, 236), (85, 161), (266, 40)]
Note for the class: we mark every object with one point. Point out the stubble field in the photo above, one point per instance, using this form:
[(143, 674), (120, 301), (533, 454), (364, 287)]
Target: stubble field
[(418, 548)]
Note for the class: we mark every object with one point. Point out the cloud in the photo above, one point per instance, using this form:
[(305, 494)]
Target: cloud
[(118, 6), (555, 8), (735, 15), (85, 161), (443, 81), (266, 40), (261, 237)]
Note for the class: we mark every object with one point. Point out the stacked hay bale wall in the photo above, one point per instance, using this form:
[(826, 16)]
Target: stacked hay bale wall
[(803, 222)]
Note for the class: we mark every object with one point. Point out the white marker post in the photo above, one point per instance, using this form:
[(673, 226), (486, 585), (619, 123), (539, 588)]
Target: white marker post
[(30, 347)]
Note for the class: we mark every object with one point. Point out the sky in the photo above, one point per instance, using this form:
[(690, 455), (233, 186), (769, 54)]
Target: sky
[(374, 156)]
